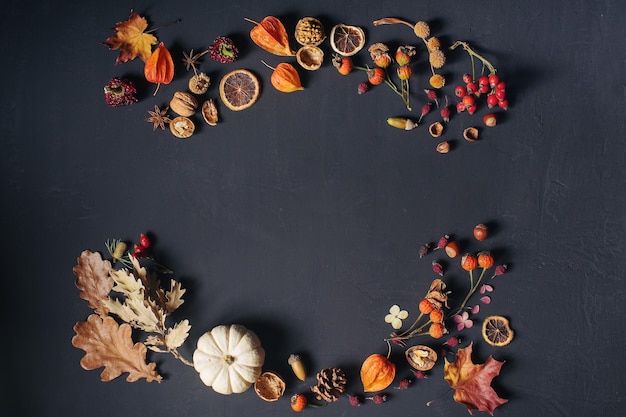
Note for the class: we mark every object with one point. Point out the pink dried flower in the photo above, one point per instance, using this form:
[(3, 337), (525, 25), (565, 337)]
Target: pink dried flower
[(355, 400), (404, 384), (485, 300), (476, 309), (424, 250), (420, 374), (437, 268), (395, 341), (463, 321), (362, 88), (500, 270), (378, 399), (452, 341), (432, 95), (485, 288), (443, 241)]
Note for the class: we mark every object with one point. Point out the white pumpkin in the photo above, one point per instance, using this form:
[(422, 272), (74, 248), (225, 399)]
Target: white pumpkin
[(229, 358)]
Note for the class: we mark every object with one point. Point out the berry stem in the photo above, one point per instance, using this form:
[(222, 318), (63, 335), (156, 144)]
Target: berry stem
[(164, 26), (473, 54), (471, 292), (391, 21)]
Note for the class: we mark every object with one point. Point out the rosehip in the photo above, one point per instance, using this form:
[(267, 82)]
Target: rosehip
[(492, 100), (493, 80), (144, 241), (469, 262), (485, 260), (460, 91)]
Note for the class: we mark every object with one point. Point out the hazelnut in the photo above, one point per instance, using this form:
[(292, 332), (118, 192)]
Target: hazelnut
[(183, 103), (310, 57), (182, 127), (435, 129), (470, 134), (490, 120), (209, 112), (199, 83), (443, 147)]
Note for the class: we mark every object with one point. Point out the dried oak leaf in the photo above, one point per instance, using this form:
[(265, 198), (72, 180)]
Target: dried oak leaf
[(110, 346), (472, 382), (93, 280), (131, 39)]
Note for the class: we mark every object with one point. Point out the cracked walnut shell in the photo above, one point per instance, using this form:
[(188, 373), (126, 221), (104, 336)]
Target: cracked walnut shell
[(182, 127), (421, 357), (309, 31)]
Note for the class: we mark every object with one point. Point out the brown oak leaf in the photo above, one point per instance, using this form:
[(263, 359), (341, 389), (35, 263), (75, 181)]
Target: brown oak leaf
[(110, 345), (93, 280), (472, 382), (131, 39)]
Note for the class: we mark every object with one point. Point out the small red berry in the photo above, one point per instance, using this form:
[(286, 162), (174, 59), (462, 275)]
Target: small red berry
[(493, 80), (362, 88), (443, 241), (501, 86), (452, 341), (484, 80), (379, 399), (483, 89), (139, 251), (460, 91), (437, 268), (469, 101), (500, 94), (500, 269), (504, 104), (472, 88), (355, 400), (404, 384), (144, 241), (492, 100), (445, 113), (460, 107), (298, 402), (472, 109), (467, 78)]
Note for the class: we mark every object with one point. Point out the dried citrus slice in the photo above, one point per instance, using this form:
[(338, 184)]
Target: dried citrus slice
[(496, 331), (239, 89), (347, 40)]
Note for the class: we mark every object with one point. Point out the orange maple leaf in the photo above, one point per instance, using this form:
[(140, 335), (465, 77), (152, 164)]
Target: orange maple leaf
[(131, 39), (472, 382), (110, 346)]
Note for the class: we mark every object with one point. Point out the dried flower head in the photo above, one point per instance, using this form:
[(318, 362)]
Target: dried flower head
[(422, 29), (395, 316), (433, 43), (437, 58)]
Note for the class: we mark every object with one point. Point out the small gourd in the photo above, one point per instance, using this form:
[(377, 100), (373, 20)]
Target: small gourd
[(229, 358)]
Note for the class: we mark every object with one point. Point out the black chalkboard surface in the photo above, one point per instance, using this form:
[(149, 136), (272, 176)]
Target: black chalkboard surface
[(302, 217)]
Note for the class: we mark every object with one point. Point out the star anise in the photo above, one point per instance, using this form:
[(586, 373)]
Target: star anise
[(191, 60), (158, 117)]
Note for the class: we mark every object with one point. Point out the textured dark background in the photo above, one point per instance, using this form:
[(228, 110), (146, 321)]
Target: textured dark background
[(301, 216)]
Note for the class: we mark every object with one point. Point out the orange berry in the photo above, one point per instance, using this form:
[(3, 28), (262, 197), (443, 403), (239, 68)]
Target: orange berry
[(376, 76), (469, 262), (343, 64), (485, 260), (404, 73), (426, 306), (436, 330), (436, 316), (298, 402)]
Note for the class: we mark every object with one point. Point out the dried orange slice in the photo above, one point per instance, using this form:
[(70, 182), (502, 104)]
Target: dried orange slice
[(347, 40), (239, 89), (496, 331)]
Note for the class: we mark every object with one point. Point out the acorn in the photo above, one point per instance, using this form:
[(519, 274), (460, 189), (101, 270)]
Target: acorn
[(401, 123), (297, 366)]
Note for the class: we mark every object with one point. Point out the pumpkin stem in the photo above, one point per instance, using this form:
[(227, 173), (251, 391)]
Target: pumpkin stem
[(229, 359)]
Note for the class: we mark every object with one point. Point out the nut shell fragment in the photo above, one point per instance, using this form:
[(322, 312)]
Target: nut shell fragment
[(435, 129), (470, 134), (269, 386), (443, 147), (421, 357), (182, 127), (310, 57), (209, 112)]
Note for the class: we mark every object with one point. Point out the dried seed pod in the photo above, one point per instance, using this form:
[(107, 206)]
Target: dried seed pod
[(421, 357), (183, 103), (199, 83), (209, 112), (435, 129), (470, 134), (182, 127), (285, 78), (309, 31), (297, 366)]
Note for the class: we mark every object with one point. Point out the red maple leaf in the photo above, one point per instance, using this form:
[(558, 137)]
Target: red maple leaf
[(472, 382)]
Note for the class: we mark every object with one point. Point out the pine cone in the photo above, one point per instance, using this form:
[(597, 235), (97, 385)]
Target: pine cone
[(331, 383)]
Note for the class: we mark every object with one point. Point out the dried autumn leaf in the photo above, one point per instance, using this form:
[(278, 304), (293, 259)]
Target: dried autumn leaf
[(174, 296), (472, 382), (270, 34), (93, 280), (159, 68), (131, 39), (110, 346), (177, 335)]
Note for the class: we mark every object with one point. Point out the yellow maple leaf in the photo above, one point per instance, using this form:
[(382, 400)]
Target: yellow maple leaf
[(131, 39)]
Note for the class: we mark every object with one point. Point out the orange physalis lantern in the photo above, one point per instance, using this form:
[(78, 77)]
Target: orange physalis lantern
[(271, 35), (159, 68), (377, 373)]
